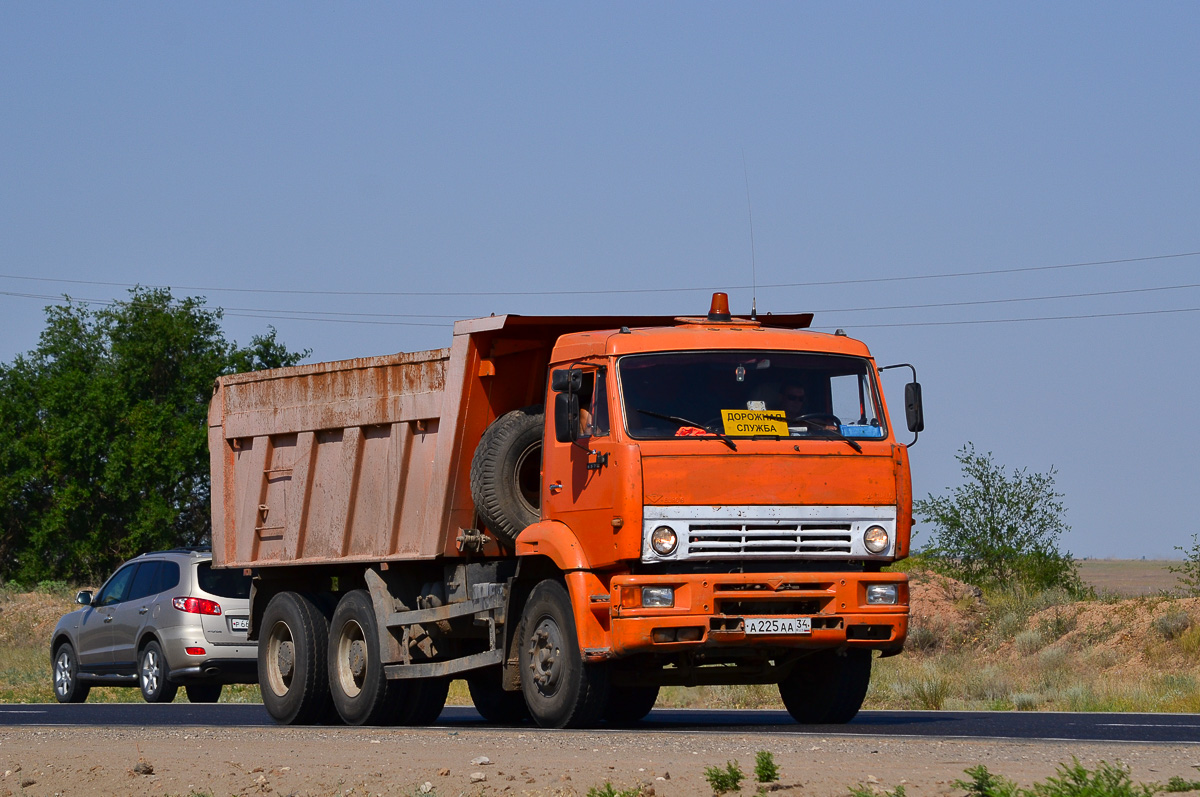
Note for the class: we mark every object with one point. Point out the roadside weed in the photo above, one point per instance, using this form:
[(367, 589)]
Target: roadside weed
[(765, 768), (725, 779)]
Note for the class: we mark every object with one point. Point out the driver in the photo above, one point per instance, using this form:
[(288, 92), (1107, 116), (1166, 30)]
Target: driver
[(794, 399)]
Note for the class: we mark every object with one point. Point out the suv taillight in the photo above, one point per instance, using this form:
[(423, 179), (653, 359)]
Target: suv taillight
[(196, 605)]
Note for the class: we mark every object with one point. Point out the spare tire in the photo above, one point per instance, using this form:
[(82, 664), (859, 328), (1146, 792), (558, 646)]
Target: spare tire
[(506, 472)]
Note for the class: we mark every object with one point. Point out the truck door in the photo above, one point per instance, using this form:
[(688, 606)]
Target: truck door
[(579, 479)]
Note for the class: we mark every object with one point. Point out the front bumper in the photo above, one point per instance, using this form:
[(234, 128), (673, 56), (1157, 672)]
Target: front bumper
[(713, 609)]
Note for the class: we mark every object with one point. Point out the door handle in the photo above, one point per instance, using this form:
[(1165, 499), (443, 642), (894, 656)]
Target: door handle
[(108, 618), (556, 488), (143, 610)]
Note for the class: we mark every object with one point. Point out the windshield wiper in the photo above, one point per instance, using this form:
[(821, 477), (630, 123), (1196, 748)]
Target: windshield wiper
[(832, 434), (685, 422)]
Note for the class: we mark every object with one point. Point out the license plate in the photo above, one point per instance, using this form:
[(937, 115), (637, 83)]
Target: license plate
[(778, 625), (239, 623)]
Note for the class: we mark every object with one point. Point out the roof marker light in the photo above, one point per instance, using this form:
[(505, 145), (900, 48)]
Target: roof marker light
[(719, 309)]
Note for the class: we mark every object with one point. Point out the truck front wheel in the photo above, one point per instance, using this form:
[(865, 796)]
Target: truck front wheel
[(361, 694), (291, 660), (827, 688), (560, 690)]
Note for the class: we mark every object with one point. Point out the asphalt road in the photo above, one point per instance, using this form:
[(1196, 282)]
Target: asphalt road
[(1163, 728)]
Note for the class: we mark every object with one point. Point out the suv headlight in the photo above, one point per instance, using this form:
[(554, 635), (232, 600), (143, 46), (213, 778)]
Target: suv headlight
[(876, 539)]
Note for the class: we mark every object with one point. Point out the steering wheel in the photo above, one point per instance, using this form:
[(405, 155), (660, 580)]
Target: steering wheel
[(822, 418)]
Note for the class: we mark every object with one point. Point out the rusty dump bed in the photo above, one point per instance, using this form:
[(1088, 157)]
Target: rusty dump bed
[(369, 459)]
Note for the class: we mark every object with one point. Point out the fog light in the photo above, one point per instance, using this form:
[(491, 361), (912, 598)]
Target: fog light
[(876, 539), (663, 634), (663, 540), (881, 593), (194, 651), (658, 597)]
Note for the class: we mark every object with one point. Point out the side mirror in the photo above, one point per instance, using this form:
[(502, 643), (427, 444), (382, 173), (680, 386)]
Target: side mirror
[(913, 411), (83, 597), (566, 416), (566, 380)]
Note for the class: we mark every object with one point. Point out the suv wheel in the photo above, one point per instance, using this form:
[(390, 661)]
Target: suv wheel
[(67, 688), (152, 675)]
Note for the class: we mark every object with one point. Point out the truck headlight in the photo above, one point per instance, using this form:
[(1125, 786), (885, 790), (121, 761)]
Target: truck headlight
[(881, 593), (664, 540), (658, 597), (876, 539)]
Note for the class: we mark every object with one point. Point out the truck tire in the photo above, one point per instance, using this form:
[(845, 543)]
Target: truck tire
[(492, 702), (629, 704), (827, 689), (292, 672), (360, 692), (421, 701), (506, 472), (203, 693), (560, 690)]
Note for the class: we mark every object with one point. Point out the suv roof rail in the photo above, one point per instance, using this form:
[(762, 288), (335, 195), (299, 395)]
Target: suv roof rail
[(183, 549)]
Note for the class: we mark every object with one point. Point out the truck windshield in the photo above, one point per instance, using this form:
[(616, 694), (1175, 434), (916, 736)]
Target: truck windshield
[(749, 394)]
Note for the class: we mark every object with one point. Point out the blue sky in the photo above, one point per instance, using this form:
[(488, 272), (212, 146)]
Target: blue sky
[(434, 162)]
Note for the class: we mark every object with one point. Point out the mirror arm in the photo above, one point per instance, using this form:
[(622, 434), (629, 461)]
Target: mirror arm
[(912, 368)]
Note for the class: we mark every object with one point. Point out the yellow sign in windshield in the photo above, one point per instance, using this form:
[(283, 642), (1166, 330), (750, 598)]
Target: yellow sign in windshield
[(748, 423)]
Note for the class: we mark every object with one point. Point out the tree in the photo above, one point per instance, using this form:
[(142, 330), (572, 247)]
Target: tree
[(999, 529), (1188, 571), (104, 452)]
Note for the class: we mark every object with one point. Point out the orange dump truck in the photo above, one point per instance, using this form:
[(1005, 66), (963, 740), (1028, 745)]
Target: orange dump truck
[(569, 513)]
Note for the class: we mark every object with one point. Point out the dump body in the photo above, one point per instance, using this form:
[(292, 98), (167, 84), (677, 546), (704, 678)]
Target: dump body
[(595, 505)]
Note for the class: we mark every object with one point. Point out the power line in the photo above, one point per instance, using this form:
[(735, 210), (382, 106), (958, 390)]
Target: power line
[(339, 316), (1020, 320), (811, 284)]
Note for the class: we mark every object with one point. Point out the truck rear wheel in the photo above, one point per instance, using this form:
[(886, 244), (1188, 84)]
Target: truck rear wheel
[(421, 701), (560, 690), (506, 472), (628, 704), (360, 692), (492, 702), (292, 673), (827, 688)]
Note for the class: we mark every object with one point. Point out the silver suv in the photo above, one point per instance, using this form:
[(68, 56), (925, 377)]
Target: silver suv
[(163, 620)]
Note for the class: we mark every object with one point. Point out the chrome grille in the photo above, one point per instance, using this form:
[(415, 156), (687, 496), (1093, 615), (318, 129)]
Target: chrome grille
[(717, 540)]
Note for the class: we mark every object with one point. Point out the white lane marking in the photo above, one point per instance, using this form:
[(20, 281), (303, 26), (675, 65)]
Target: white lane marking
[(10, 711), (1141, 725)]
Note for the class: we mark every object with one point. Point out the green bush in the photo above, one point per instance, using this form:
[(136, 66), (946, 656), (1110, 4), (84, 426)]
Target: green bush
[(765, 768), (999, 529), (1189, 571), (725, 779), (1172, 624)]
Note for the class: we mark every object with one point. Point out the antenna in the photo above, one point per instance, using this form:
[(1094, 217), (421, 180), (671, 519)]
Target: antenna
[(753, 265)]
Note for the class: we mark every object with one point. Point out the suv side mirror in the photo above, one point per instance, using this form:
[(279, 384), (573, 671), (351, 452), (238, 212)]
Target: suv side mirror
[(566, 417), (84, 597), (914, 413)]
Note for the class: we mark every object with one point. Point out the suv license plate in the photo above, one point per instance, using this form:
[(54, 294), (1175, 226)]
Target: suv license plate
[(239, 623), (778, 625)]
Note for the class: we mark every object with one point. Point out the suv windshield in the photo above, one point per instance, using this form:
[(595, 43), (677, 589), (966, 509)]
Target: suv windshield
[(814, 395)]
